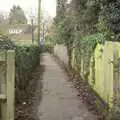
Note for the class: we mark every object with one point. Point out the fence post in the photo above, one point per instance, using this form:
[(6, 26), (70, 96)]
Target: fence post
[(82, 67), (10, 84), (116, 71), (2, 85)]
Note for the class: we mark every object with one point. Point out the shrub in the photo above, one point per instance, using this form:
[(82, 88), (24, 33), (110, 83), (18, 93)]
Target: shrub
[(48, 48), (114, 113), (112, 15), (27, 58), (5, 43), (84, 49)]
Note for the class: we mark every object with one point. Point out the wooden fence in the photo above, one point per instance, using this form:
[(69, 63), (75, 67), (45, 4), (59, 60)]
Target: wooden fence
[(104, 70), (7, 84), (105, 73)]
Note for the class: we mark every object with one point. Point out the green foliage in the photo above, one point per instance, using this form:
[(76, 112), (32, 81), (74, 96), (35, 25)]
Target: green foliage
[(17, 16), (63, 24), (112, 15), (27, 58), (85, 15), (63, 32), (5, 43), (79, 19), (114, 113), (60, 10), (84, 49), (48, 48), (110, 12)]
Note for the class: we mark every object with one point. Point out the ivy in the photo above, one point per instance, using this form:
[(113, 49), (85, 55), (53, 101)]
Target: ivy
[(84, 49), (111, 13), (5, 43)]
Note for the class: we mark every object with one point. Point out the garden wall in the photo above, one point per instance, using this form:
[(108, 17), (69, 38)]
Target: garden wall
[(61, 52)]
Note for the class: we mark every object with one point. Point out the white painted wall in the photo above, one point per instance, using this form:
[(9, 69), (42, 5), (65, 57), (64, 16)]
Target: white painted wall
[(15, 31), (61, 52)]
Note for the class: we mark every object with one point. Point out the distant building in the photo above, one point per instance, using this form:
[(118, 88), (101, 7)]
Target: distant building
[(20, 29), (15, 31)]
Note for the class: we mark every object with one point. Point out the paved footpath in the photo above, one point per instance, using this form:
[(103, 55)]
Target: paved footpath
[(59, 97)]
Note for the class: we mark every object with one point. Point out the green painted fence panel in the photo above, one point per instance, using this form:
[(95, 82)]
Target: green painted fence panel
[(104, 71), (108, 72), (99, 70), (107, 66)]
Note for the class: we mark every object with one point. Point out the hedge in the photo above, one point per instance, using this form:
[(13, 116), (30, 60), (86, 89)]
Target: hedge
[(84, 49), (5, 43), (48, 48), (27, 57)]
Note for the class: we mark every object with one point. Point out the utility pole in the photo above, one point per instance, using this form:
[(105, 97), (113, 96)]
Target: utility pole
[(39, 21), (32, 30), (43, 31), (32, 19)]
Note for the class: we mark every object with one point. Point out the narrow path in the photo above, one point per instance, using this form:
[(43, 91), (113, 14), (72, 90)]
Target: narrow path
[(60, 101)]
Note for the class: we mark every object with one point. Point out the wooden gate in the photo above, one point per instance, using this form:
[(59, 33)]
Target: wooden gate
[(7, 84)]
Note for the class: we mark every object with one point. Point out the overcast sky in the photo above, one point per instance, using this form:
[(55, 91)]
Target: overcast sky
[(27, 5)]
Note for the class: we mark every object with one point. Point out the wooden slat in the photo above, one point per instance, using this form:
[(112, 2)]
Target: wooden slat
[(10, 85)]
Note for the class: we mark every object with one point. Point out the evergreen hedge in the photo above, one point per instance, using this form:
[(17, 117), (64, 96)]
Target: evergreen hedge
[(26, 59)]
